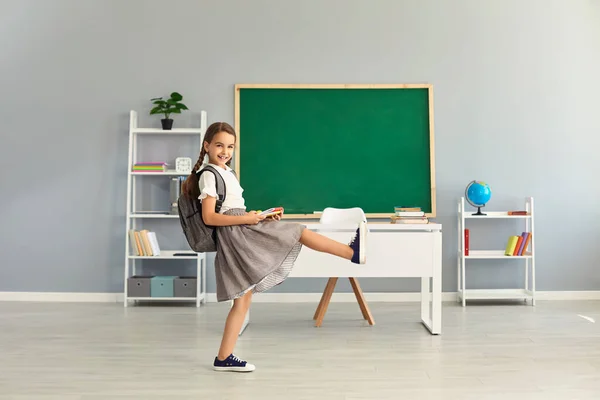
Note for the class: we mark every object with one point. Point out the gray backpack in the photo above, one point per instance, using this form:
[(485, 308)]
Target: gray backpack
[(201, 237)]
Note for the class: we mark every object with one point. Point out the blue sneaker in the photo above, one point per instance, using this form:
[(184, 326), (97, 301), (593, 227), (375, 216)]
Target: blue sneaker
[(232, 363), (359, 244)]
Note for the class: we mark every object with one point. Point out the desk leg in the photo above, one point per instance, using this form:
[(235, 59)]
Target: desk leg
[(437, 286), (432, 317), (425, 296)]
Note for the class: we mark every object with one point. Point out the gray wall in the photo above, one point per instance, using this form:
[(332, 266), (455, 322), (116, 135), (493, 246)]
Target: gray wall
[(512, 80)]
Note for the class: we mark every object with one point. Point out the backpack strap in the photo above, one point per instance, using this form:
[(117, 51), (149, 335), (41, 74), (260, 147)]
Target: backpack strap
[(220, 183)]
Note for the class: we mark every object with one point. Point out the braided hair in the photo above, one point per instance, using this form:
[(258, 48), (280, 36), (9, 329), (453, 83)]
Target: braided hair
[(190, 186)]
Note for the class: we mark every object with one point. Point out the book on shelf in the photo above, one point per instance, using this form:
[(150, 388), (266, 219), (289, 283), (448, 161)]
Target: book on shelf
[(143, 243), (150, 166), (517, 245)]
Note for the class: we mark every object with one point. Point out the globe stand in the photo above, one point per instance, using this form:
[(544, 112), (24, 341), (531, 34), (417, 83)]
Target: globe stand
[(479, 211)]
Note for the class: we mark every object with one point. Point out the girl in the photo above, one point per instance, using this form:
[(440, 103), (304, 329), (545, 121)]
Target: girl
[(253, 253)]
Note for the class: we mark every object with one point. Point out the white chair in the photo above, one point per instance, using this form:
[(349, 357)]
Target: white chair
[(340, 216)]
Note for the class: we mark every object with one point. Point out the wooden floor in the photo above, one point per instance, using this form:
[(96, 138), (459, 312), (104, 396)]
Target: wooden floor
[(492, 351)]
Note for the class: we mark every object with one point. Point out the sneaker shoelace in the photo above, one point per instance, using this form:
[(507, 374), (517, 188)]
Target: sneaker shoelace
[(353, 239), (235, 358)]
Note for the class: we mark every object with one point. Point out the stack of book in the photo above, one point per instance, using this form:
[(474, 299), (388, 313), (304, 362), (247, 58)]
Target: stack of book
[(143, 243), (409, 215), (517, 245), (150, 166)]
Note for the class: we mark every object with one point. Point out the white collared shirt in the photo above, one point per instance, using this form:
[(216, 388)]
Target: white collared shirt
[(233, 194)]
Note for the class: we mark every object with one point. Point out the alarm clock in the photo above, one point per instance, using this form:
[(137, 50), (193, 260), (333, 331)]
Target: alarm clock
[(183, 165)]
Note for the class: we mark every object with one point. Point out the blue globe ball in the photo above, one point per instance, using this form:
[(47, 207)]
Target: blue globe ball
[(478, 193)]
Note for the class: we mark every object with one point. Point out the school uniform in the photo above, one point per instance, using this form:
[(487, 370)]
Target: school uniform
[(249, 257)]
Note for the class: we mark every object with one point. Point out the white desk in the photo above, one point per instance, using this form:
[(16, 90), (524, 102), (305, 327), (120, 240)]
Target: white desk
[(393, 250)]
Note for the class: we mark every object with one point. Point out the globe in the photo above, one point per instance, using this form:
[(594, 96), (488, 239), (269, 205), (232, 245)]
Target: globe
[(478, 193)]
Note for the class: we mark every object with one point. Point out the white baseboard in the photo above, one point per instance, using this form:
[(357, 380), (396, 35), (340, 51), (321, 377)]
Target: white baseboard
[(66, 297), (568, 295), (281, 297), (336, 297)]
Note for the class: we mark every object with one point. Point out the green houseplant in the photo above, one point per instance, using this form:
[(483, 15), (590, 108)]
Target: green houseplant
[(167, 107)]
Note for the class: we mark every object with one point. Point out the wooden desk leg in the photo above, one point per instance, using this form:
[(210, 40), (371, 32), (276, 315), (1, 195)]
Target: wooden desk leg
[(330, 281), (322, 309), (362, 303)]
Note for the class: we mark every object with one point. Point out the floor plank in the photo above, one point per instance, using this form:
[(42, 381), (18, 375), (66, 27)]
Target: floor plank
[(93, 351)]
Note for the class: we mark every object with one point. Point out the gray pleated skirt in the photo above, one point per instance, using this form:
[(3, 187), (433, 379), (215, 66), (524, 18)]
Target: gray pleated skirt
[(254, 257)]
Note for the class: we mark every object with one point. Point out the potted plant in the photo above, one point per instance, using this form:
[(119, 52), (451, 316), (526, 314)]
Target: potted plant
[(167, 107)]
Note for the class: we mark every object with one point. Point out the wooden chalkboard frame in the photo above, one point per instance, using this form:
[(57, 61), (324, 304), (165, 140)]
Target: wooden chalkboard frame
[(427, 86)]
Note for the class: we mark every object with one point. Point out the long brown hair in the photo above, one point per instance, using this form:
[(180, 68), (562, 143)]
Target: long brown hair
[(190, 186)]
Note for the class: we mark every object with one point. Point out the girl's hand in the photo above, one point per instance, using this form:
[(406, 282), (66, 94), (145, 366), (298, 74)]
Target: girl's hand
[(276, 217), (253, 218)]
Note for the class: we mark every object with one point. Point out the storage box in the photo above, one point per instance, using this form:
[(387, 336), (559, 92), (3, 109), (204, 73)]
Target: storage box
[(185, 286), (138, 286), (161, 286)]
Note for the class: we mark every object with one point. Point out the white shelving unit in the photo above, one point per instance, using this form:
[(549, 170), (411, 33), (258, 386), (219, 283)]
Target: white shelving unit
[(527, 259), (133, 216)]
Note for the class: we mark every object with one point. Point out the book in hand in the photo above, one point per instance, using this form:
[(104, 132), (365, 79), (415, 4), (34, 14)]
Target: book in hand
[(272, 211)]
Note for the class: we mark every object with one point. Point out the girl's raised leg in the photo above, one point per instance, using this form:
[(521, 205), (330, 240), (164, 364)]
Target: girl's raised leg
[(355, 251), (324, 244)]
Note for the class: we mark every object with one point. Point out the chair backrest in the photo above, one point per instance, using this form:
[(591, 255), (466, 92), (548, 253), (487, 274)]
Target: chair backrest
[(333, 215)]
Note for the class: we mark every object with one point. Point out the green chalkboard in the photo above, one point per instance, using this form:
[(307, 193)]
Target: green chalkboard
[(308, 147)]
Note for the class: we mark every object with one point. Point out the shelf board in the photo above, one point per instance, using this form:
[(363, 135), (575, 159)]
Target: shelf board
[(176, 131), (164, 298), (168, 254), (494, 254), (157, 215), (493, 214), (171, 172), (495, 294)]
